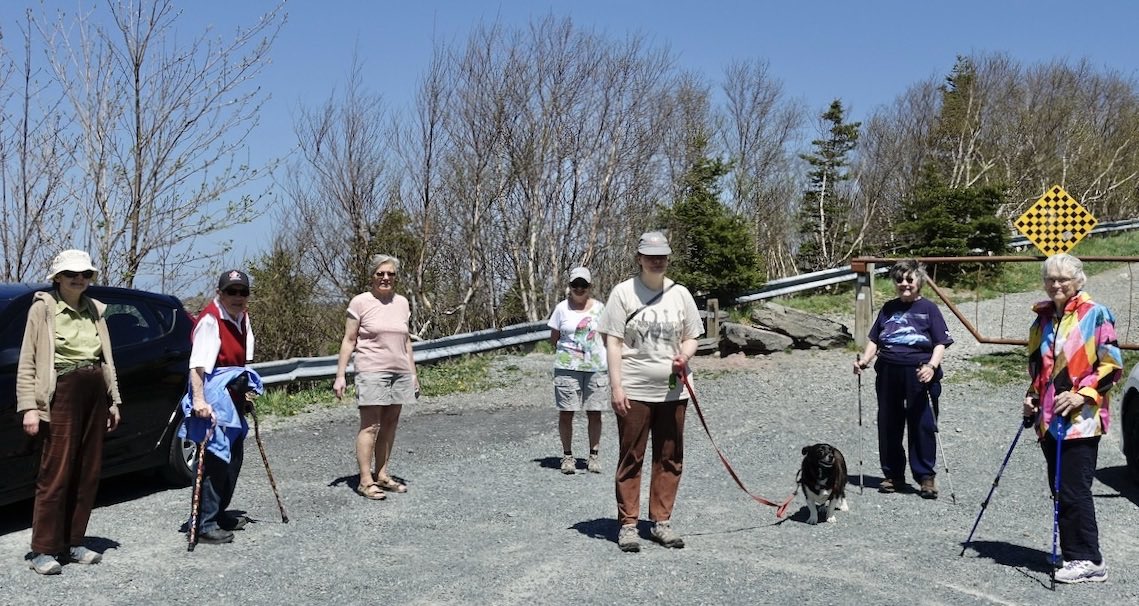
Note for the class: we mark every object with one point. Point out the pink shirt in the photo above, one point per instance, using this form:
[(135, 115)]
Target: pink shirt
[(381, 339)]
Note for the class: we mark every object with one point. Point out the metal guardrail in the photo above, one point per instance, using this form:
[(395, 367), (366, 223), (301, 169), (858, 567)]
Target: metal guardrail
[(294, 369)]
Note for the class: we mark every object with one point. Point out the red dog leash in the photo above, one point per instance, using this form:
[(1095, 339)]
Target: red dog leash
[(780, 508)]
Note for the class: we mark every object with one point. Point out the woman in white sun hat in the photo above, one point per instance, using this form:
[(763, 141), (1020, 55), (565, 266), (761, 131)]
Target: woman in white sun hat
[(68, 395), (581, 377)]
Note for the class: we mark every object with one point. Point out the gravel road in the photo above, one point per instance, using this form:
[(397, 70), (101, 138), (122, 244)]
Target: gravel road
[(489, 519)]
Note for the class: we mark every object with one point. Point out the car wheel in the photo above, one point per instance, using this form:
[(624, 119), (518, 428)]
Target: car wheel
[(1130, 418), (179, 468)]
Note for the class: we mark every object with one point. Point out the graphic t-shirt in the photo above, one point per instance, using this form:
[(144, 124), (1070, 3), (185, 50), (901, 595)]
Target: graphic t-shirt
[(652, 337), (580, 346), (906, 333)]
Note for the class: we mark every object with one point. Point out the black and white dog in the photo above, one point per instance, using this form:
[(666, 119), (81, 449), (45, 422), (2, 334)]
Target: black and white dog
[(823, 479)]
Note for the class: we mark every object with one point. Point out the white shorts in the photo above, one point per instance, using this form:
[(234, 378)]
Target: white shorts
[(581, 390), (384, 389)]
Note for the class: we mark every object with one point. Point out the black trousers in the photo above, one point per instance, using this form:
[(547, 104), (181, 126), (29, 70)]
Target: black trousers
[(1079, 533)]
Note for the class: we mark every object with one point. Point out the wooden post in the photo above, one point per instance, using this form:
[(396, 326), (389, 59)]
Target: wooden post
[(863, 301), (712, 330)]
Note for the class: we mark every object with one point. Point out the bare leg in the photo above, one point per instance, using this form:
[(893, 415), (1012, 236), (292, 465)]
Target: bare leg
[(565, 429), (389, 421), (594, 417), (366, 441)]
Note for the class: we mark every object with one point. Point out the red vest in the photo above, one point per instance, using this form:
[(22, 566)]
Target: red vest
[(232, 352)]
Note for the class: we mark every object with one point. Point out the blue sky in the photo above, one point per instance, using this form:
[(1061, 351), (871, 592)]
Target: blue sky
[(864, 52)]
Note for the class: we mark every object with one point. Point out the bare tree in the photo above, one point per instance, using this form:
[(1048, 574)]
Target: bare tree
[(34, 159), (338, 182), (163, 128), (757, 128)]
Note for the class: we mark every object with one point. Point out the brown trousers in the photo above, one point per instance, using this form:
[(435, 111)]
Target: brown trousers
[(71, 462), (666, 422)]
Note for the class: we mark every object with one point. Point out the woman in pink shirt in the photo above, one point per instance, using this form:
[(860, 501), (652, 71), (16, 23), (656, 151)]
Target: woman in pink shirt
[(378, 331)]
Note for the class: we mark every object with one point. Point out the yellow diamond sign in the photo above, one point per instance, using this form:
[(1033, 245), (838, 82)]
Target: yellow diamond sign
[(1056, 222)]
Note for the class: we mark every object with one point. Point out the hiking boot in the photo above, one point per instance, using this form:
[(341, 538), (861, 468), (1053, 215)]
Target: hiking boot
[(928, 488), (889, 485), (628, 539), (593, 464), (663, 533), (569, 464), (1082, 571), (44, 563), (228, 522), (217, 536), (82, 555)]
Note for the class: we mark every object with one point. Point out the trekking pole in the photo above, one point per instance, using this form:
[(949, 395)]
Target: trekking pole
[(250, 397), (1063, 430), (944, 463), (857, 359), (1025, 423), (196, 499)]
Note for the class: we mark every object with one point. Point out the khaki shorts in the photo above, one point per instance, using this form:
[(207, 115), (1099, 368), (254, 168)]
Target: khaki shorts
[(581, 390), (384, 389)]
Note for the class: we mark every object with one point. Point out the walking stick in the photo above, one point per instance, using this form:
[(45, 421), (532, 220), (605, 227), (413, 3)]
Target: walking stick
[(1026, 422), (1063, 430), (940, 448), (196, 500), (859, 375), (249, 398)]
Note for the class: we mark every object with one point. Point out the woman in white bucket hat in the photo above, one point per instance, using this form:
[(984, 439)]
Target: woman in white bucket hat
[(68, 395)]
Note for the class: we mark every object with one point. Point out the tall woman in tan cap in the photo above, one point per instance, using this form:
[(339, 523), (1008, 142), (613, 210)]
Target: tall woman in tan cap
[(651, 325), (66, 392)]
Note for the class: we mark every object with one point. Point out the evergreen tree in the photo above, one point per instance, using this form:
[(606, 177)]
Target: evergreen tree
[(942, 221), (713, 252), (823, 216)]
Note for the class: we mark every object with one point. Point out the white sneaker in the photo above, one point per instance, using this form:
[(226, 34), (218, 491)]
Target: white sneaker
[(1082, 571), (593, 464), (628, 539), (569, 464)]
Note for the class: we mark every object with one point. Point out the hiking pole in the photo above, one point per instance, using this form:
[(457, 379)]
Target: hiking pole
[(196, 500), (944, 462), (1025, 422), (940, 448), (857, 359), (250, 396), (1063, 430)]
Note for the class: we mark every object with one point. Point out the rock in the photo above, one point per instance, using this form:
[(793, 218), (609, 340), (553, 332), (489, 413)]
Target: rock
[(806, 330), (737, 338)]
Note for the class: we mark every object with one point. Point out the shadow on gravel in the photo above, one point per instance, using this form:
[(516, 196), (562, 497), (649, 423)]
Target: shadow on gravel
[(556, 463), (112, 491), (1119, 479), (604, 528), (1015, 556)]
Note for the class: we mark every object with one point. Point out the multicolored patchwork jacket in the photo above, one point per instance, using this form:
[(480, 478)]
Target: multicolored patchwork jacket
[(1075, 352)]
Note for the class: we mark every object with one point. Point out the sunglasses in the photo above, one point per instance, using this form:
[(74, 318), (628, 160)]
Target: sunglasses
[(71, 274), (237, 292), (579, 285), (909, 279), (385, 274)]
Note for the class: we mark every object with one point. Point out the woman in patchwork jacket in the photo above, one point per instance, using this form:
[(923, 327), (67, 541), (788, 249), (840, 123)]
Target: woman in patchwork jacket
[(1073, 361)]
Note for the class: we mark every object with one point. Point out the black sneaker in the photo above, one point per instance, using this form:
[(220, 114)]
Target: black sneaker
[(233, 522), (216, 536)]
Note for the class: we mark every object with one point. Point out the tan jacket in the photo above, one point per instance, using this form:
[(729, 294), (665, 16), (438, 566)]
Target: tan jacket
[(35, 374)]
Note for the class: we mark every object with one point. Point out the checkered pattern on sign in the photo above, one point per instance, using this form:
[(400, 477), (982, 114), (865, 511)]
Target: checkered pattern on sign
[(1056, 222)]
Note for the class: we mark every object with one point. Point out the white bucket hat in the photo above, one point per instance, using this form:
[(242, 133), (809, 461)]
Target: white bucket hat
[(70, 260)]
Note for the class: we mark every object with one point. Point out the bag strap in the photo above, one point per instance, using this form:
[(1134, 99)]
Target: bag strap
[(655, 298)]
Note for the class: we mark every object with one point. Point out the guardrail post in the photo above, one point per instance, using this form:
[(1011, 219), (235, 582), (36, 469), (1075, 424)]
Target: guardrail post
[(863, 300)]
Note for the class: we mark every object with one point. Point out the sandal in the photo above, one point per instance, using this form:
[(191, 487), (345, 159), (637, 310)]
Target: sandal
[(371, 491), (391, 485)]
